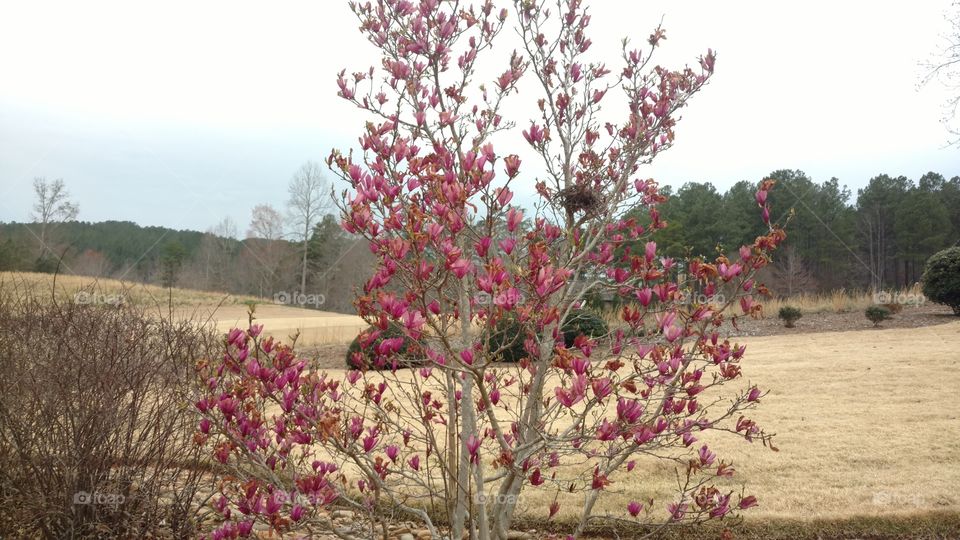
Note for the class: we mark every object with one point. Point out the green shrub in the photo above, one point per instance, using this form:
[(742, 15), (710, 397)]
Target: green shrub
[(583, 321), (509, 335), (941, 278), (789, 315), (358, 358), (877, 314)]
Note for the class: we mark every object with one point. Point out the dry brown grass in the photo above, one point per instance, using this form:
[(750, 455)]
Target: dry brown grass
[(106, 290), (839, 301), (866, 429), (865, 420), (224, 310)]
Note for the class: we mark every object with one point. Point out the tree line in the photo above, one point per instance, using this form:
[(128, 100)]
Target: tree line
[(300, 252), (878, 240)]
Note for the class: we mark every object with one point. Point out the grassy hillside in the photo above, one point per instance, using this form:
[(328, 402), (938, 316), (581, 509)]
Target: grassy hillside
[(85, 289)]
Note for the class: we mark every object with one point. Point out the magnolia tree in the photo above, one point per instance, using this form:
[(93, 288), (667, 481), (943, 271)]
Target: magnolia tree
[(458, 442)]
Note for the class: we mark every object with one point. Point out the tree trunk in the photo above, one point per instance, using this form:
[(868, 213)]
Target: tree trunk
[(303, 272)]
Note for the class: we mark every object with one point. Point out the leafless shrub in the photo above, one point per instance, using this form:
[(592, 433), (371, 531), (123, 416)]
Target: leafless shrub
[(95, 433)]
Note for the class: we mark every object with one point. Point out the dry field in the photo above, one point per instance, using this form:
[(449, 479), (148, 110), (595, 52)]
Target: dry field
[(865, 425), (866, 421), (222, 309)]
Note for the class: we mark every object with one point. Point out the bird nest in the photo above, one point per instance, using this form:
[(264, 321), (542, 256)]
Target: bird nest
[(580, 198)]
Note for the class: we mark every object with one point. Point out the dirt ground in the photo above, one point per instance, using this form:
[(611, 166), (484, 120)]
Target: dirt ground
[(911, 317)]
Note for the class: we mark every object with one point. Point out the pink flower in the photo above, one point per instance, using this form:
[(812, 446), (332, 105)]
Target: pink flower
[(434, 307), (274, 502), (512, 164), (729, 272), (413, 321), (504, 80), (747, 502), (580, 365), (677, 511), (227, 406), (706, 456), (722, 508), (296, 514), (754, 394), (508, 299), (534, 135), (369, 442), (629, 411), (536, 478), (573, 395), (601, 387), (353, 376), (204, 426), (650, 251), (600, 481), (643, 436), (392, 452), (461, 267), (467, 356), (473, 448), (634, 508), (514, 217), (761, 197), (607, 431), (504, 196), (672, 333), (482, 246), (414, 463), (507, 245), (645, 295)]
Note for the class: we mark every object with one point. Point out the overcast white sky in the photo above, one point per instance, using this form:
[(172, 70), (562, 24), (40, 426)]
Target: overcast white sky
[(181, 113)]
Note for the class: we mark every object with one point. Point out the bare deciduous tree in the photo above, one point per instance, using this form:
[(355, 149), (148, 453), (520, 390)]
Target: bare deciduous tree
[(945, 67), (791, 275), (266, 222), (309, 201), (264, 240), (52, 205)]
